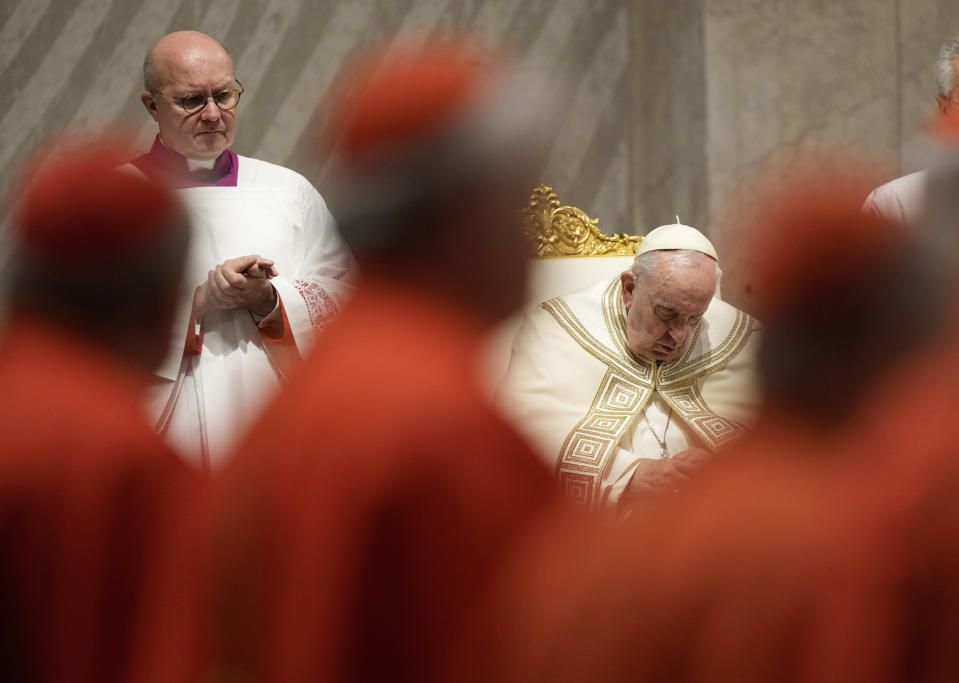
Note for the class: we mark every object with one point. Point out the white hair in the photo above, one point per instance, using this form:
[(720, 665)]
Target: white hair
[(945, 78), (646, 264)]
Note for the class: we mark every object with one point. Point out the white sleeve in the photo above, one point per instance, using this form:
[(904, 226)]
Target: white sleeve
[(534, 394), (312, 296), (871, 205), (902, 200), (614, 491), (885, 203)]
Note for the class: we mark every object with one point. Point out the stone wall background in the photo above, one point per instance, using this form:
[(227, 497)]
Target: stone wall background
[(670, 102)]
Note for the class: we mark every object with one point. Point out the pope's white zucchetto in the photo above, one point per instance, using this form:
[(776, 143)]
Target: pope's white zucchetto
[(676, 236)]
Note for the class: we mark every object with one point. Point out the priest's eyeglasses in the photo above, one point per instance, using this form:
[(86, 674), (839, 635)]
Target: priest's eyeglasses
[(225, 100)]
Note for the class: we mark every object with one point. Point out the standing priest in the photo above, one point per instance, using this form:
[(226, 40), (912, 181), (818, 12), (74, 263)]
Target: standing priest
[(267, 269), (631, 384)]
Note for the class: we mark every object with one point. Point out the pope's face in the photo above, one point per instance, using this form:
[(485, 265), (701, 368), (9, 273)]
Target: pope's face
[(665, 307), (203, 134)]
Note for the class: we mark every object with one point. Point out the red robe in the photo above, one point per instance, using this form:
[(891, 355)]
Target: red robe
[(910, 507), (808, 556), (370, 504), (85, 487), (744, 581)]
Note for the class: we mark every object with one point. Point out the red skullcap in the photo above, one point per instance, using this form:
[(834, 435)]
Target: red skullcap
[(399, 96), (82, 209)]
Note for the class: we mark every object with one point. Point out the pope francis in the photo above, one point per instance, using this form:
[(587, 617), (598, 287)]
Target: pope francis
[(631, 384)]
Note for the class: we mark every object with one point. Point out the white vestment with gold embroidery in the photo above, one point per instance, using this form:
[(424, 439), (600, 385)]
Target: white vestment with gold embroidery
[(578, 392), (204, 403)]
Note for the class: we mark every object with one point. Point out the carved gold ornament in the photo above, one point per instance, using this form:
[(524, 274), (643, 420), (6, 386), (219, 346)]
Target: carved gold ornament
[(556, 231)]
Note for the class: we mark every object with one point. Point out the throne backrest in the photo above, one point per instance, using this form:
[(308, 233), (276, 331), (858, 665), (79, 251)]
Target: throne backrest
[(568, 252), (568, 249)]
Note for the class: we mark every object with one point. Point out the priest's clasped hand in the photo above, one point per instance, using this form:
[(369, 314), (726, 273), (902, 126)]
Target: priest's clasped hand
[(242, 282)]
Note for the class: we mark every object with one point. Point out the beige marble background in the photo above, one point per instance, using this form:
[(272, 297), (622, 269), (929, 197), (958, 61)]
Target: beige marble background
[(786, 78), (670, 103)]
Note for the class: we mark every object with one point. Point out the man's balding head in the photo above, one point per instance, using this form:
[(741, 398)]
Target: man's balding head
[(189, 63), (181, 51)]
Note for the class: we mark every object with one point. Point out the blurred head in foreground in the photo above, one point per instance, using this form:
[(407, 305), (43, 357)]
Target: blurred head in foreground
[(97, 250), (845, 296), (436, 144)]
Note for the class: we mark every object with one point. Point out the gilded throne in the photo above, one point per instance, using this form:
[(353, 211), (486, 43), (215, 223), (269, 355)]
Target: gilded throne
[(568, 252)]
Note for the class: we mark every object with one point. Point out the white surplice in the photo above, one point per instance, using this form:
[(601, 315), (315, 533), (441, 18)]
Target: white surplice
[(901, 200), (579, 393), (203, 403)]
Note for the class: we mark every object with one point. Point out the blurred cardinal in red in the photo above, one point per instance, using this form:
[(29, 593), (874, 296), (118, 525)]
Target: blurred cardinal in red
[(87, 489), (371, 503), (824, 549)]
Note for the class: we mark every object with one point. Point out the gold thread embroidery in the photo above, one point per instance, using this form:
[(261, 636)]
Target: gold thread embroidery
[(685, 371), (715, 430), (586, 451), (639, 368), (627, 387)]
